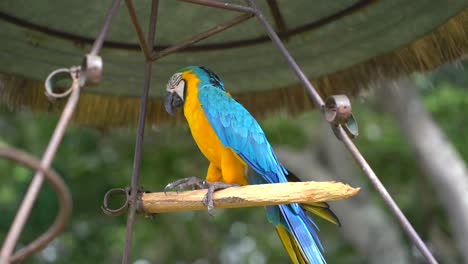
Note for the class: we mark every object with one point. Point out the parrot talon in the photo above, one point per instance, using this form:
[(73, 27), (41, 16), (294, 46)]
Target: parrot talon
[(180, 184), (212, 187), (195, 182)]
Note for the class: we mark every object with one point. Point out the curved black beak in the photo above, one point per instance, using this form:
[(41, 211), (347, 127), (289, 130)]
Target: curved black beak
[(171, 101)]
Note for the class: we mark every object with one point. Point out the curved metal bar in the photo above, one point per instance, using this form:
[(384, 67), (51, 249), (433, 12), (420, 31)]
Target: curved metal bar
[(63, 197)]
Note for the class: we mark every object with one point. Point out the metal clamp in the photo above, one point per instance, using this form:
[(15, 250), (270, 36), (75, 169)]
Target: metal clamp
[(88, 73), (337, 112), (91, 68)]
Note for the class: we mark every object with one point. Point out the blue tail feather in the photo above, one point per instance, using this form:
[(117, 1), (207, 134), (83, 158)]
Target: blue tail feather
[(302, 229)]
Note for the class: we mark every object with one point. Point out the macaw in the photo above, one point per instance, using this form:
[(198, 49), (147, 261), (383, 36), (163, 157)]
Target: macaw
[(232, 140)]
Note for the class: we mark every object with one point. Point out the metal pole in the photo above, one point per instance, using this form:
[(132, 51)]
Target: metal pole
[(347, 142), (194, 39), (105, 27), (222, 5), (302, 77), (405, 224), (136, 25), (139, 139)]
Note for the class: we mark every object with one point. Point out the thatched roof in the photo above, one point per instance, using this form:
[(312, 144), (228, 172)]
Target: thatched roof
[(341, 45)]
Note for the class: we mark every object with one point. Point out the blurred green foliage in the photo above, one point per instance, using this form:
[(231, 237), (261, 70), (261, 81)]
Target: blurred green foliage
[(92, 162)]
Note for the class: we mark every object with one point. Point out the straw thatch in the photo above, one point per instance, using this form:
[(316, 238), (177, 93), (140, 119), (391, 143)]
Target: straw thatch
[(447, 43)]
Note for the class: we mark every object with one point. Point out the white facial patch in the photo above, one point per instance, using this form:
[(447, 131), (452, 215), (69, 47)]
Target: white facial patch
[(176, 84)]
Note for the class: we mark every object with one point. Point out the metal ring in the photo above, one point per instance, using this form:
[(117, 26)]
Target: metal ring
[(115, 212), (53, 78), (64, 199)]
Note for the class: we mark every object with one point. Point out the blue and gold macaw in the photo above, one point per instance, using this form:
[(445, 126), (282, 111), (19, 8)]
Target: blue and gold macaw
[(232, 140)]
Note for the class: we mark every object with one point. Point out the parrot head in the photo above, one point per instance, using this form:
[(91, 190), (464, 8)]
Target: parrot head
[(177, 85)]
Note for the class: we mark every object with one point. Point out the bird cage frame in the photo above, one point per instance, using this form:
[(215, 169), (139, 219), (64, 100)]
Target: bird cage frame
[(336, 110)]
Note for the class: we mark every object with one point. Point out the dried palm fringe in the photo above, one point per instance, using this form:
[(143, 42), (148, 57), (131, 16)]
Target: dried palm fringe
[(447, 43)]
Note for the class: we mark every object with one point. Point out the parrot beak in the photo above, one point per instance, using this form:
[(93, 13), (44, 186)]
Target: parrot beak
[(172, 101)]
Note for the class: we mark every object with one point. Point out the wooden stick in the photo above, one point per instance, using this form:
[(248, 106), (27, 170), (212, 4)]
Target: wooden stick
[(247, 196)]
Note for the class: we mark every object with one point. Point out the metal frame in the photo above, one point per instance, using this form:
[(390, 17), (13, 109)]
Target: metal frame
[(79, 80), (151, 55)]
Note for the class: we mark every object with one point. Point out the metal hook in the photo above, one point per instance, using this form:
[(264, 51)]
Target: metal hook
[(337, 111)]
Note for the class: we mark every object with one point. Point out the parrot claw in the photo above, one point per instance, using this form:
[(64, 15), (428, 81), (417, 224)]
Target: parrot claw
[(186, 182), (195, 182), (212, 187)]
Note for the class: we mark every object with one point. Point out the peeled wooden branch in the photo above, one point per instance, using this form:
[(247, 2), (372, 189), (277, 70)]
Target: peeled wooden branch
[(248, 196)]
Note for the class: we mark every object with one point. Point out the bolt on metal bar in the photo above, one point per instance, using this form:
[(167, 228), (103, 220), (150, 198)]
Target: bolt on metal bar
[(139, 31), (347, 141), (185, 43), (222, 5), (105, 28), (36, 183), (139, 139)]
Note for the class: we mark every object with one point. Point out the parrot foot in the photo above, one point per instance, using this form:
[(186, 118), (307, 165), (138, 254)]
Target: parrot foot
[(187, 182), (195, 182), (212, 187)]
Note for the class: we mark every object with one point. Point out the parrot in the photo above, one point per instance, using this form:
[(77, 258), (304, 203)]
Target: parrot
[(233, 141)]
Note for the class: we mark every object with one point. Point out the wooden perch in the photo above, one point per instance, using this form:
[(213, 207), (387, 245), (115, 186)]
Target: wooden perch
[(248, 196)]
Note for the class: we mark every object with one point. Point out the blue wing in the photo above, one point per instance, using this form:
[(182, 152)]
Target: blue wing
[(237, 129)]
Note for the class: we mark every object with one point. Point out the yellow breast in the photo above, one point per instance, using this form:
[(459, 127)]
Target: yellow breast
[(202, 132)]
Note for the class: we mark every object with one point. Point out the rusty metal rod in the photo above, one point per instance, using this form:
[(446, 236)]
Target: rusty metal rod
[(302, 77), (405, 224), (277, 16), (63, 197), (36, 183), (139, 139), (105, 28), (221, 4), (347, 141), (139, 31), (185, 43)]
